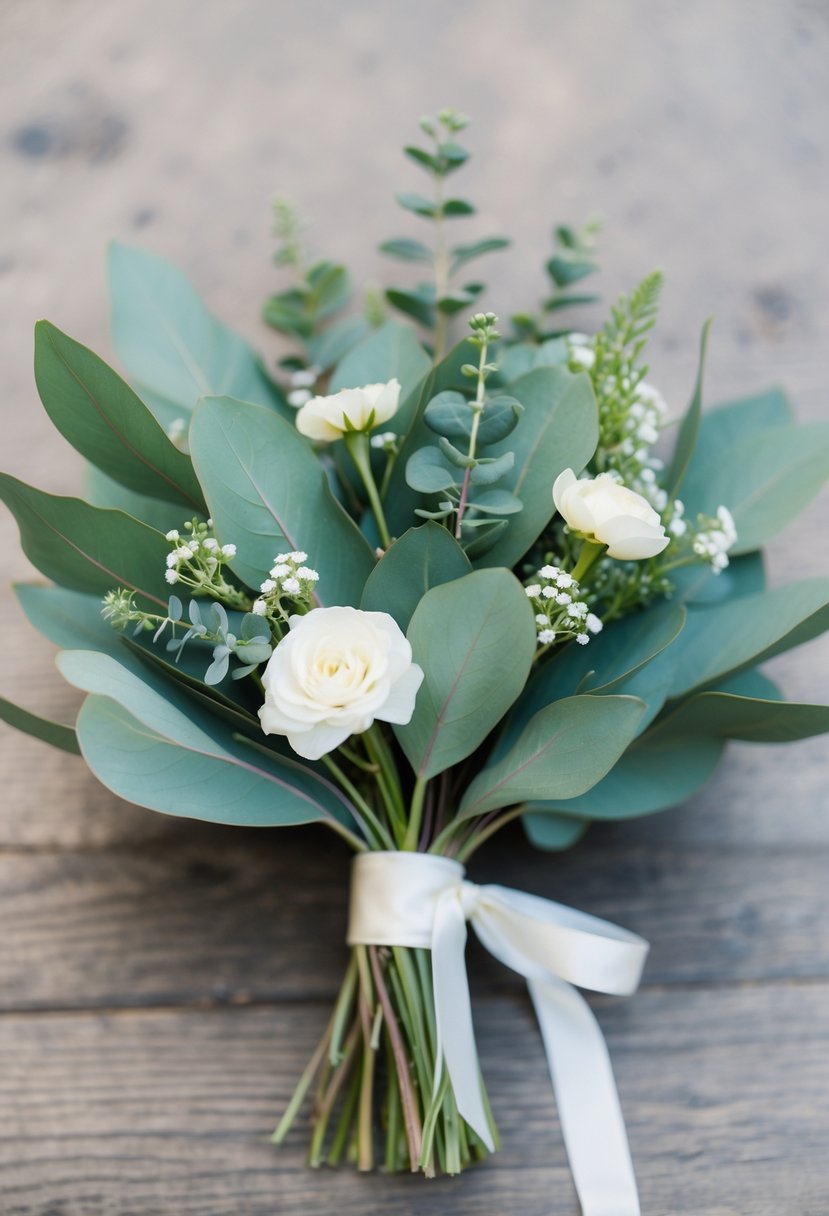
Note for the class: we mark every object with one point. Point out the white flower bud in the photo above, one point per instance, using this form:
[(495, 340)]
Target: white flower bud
[(610, 514), (329, 418)]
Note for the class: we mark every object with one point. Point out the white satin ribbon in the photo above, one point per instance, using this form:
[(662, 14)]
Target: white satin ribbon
[(416, 899)]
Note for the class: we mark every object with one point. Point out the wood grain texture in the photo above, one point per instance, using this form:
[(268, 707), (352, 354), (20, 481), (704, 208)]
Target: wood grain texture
[(161, 981), (170, 1112)]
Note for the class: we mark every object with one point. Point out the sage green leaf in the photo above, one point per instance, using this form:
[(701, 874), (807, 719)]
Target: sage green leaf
[(564, 750), (417, 203), (390, 352), (427, 471), (524, 357), (422, 558), (400, 500), (764, 479), (451, 415), (689, 427), (489, 469), (660, 769), (418, 303), (102, 491), (53, 733), (456, 207), (741, 633), (752, 719), (108, 423), (172, 347), (750, 683), (606, 664), (462, 297), (460, 633), (69, 619), (497, 502), (87, 548), (551, 832), (559, 429), (461, 254), (252, 785), (699, 585), (333, 344), (407, 250), (720, 428), (267, 492)]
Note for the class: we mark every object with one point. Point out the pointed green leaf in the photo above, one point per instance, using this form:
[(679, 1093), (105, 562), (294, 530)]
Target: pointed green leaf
[(564, 750), (422, 558), (459, 634), (107, 423), (87, 548), (267, 492), (461, 254), (755, 720), (407, 250), (53, 733), (559, 429), (689, 427), (173, 348)]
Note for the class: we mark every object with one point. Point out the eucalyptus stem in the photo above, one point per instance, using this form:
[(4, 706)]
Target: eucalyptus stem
[(359, 801), (441, 270), (415, 815)]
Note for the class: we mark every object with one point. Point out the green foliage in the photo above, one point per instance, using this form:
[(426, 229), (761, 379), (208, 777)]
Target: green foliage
[(173, 348), (689, 428), (267, 491), (459, 633), (107, 423), (390, 352), (564, 750), (422, 558), (53, 733), (87, 548)]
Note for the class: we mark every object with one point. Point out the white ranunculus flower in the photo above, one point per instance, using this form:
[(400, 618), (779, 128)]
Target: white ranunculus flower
[(329, 418), (335, 672), (611, 514)]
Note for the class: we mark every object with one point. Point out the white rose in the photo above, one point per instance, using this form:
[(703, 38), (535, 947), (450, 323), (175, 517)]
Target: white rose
[(611, 514), (335, 672), (329, 418)]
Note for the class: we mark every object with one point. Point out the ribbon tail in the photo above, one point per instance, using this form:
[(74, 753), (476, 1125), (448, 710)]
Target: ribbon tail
[(453, 1014), (591, 1118)]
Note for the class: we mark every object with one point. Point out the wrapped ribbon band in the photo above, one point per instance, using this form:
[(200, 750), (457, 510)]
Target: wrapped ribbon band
[(416, 899)]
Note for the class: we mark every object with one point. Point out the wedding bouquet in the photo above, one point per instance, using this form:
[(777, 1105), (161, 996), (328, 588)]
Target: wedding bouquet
[(413, 591)]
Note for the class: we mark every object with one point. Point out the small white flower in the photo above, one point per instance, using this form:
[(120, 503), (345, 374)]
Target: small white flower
[(549, 593), (546, 636), (172, 535), (564, 580), (357, 409), (259, 607), (183, 553), (382, 440), (306, 377), (337, 671), (172, 560), (298, 556), (533, 591), (212, 563), (268, 586), (677, 527), (282, 557), (229, 550), (563, 598), (540, 619), (280, 570), (290, 586), (210, 523), (593, 623), (611, 515), (647, 475), (305, 572), (298, 397), (549, 572), (647, 433), (171, 576), (582, 638), (211, 544)]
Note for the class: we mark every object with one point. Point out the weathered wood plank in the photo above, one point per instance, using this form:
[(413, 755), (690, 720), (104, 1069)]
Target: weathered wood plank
[(726, 1093), (226, 916)]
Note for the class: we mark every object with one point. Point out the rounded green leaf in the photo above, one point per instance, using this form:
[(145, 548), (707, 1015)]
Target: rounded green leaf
[(421, 559)]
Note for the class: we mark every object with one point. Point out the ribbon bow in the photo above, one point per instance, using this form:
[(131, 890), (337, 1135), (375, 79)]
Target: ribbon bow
[(417, 899)]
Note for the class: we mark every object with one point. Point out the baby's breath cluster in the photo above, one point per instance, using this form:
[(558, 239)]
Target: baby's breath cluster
[(716, 536), (197, 561), (561, 612), (288, 588), (302, 383)]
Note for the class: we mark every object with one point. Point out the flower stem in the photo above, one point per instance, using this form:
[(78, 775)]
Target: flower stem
[(477, 410), (359, 451), (590, 553), (359, 801), (415, 814)]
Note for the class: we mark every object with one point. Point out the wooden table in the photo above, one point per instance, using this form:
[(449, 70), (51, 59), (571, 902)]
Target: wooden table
[(161, 981)]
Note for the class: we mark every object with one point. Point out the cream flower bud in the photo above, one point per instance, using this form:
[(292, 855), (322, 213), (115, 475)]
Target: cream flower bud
[(357, 409), (336, 671), (612, 515)]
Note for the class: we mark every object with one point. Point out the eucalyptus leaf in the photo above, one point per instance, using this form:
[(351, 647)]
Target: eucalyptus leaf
[(267, 492), (107, 422), (102, 491), (422, 558), (755, 720), (390, 352), (53, 733), (490, 469), (87, 548), (459, 633), (741, 633), (418, 304), (552, 832), (564, 751), (559, 429), (689, 427), (461, 254), (173, 348), (724, 425), (407, 250), (428, 473), (333, 343)]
